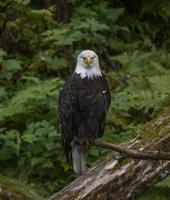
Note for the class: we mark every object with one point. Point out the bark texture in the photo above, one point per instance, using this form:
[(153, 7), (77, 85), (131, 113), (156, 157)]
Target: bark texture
[(121, 178)]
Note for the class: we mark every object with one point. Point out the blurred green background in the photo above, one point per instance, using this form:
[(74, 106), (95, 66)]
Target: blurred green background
[(39, 43)]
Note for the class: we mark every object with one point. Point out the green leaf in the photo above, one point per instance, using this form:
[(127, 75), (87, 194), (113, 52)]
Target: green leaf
[(12, 65), (23, 2), (37, 161)]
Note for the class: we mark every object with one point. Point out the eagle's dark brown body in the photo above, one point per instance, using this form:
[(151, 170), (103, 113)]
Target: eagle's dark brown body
[(83, 104)]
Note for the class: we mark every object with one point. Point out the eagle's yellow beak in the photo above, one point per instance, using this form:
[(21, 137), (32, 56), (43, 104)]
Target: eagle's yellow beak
[(88, 60)]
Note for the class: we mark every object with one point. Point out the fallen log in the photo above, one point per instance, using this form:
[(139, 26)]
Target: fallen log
[(118, 177)]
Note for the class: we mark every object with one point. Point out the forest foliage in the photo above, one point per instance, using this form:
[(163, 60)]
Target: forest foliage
[(39, 43)]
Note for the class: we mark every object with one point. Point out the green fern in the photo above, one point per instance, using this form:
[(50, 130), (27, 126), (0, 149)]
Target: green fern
[(27, 100)]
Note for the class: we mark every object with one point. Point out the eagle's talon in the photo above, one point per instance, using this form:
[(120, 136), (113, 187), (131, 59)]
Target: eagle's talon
[(85, 143)]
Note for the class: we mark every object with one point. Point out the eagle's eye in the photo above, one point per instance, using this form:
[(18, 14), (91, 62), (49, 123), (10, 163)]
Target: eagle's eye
[(83, 58)]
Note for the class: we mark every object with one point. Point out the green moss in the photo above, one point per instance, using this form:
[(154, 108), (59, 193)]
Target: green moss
[(152, 132), (155, 130), (18, 190)]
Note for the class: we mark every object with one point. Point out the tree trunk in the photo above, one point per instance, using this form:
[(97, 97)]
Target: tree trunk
[(123, 178)]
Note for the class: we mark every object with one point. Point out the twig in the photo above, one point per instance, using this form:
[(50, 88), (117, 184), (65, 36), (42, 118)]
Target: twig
[(145, 155), (110, 62)]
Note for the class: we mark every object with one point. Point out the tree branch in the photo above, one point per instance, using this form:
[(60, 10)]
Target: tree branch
[(145, 155)]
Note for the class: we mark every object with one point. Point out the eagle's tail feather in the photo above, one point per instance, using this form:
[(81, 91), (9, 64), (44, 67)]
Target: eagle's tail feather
[(83, 160), (79, 159)]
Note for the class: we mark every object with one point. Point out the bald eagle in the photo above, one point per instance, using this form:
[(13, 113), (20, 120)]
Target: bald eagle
[(83, 103)]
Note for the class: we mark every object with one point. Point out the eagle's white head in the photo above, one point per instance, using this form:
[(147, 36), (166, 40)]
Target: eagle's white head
[(88, 65)]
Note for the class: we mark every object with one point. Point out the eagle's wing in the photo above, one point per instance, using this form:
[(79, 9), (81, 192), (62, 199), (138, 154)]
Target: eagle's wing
[(107, 100), (66, 108)]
